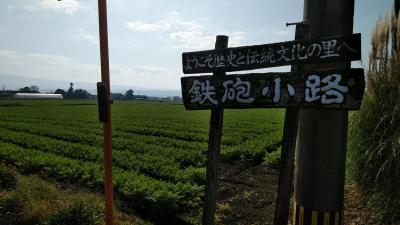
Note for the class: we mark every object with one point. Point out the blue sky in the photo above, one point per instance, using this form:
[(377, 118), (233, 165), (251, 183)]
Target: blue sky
[(58, 40)]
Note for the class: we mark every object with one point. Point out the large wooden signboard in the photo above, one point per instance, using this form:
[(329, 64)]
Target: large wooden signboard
[(344, 48), (324, 88), (340, 89)]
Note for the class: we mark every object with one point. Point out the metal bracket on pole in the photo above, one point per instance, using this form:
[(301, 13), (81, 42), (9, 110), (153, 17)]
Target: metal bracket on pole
[(295, 23), (102, 102)]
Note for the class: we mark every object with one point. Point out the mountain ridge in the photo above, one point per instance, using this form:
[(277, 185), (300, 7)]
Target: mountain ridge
[(14, 82)]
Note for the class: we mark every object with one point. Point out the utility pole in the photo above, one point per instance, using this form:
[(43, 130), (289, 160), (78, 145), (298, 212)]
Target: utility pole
[(105, 111), (322, 135)]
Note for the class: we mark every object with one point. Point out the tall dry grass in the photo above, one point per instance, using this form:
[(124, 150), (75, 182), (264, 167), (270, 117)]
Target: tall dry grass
[(374, 148)]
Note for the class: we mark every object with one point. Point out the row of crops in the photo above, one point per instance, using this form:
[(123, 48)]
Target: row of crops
[(158, 148)]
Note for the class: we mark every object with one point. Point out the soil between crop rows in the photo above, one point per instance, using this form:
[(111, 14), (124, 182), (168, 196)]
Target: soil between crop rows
[(247, 194)]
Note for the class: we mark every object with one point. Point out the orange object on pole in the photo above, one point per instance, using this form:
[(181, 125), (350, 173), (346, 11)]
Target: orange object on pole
[(105, 78)]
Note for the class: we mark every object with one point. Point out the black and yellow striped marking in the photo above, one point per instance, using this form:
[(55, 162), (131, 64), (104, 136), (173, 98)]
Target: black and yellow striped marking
[(303, 216)]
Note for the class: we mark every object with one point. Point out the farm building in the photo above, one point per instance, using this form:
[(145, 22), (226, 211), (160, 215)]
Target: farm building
[(37, 96)]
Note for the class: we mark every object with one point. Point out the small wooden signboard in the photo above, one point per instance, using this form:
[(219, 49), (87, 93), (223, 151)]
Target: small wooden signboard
[(343, 48), (324, 88)]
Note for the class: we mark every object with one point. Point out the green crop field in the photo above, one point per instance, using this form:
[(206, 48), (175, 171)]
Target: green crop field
[(158, 148)]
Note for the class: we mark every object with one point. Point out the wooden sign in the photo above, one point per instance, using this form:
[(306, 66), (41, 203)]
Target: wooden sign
[(322, 89), (343, 48)]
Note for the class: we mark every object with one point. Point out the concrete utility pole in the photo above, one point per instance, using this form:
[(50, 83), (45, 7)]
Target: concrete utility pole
[(322, 134)]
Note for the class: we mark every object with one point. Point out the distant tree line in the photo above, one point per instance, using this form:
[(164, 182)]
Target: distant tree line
[(31, 89), (10, 93), (129, 95), (72, 93)]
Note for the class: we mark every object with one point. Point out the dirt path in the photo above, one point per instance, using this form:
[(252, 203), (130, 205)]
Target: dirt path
[(246, 195), (355, 213)]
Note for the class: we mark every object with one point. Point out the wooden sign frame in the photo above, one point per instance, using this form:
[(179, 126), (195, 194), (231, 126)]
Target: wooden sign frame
[(336, 89)]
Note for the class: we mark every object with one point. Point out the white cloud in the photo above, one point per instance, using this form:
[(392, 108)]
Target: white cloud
[(46, 66), (88, 37), (142, 26), (185, 34), (236, 38), (58, 67), (192, 39), (196, 39), (67, 6), (8, 54), (136, 70), (10, 8), (173, 21), (281, 33), (144, 76)]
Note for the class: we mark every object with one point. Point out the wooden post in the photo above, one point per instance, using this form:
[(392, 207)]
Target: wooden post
[(214, 144), (322, 134), (105, 78), (287, 151)]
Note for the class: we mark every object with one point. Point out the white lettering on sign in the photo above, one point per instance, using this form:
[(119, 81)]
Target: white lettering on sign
[(238, 91), (291, 90), (332, 91), (200, 92), (319, 89), (329, 49), (301, 52), (267, 56), (277, 90), (264, 91), (314, 49), (313, 82), (345, 45), (283, 53)]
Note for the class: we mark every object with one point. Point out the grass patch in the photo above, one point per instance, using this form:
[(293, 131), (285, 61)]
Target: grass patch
[(273, 158), (35, 201), (80, 213), (7, 178)]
